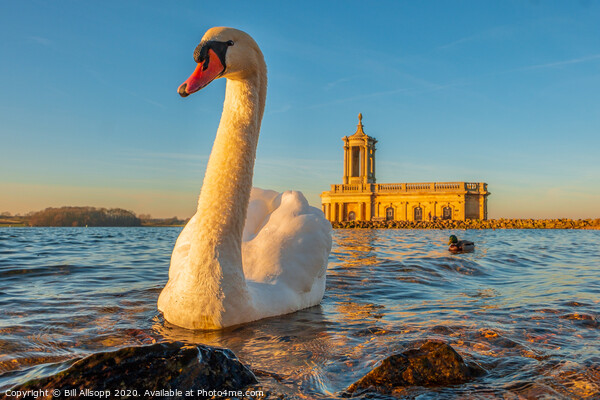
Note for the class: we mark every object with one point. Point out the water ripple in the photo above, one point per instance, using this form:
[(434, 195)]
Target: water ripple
[(524, 305)]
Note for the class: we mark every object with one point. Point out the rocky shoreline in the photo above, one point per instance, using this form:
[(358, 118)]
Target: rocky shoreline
[(563, 223), (433, 364), (168, 370), (175, 370)]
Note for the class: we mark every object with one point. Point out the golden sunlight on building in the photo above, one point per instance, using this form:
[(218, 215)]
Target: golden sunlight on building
[(360, 198)]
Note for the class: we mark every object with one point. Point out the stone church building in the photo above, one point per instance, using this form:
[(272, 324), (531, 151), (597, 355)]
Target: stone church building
[(361, 198)]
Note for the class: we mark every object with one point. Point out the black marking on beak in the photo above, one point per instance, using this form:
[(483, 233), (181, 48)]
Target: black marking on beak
[(220, 49)]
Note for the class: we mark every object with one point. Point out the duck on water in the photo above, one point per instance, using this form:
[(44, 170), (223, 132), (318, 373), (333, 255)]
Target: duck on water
[(460, 246)]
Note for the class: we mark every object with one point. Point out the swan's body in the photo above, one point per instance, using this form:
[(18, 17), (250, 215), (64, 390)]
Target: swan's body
[(246, 254)]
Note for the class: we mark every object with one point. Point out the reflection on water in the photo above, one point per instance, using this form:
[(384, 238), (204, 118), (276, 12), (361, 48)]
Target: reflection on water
[(524, 305)]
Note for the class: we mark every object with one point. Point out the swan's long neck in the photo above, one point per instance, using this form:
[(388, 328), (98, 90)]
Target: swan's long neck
[(215, 259), (226, 189)]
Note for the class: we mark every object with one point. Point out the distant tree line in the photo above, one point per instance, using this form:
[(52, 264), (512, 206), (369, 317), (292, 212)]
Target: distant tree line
[(148, 220), (84, 216)]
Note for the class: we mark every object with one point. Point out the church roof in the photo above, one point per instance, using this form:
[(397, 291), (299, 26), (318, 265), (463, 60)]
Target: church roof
[(360, 133), (359, 128)]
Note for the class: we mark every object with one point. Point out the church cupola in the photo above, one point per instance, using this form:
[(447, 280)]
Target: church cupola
[(359, 156)]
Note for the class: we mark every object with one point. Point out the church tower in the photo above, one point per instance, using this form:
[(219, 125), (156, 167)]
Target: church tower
[(361, 198), (359, 157)]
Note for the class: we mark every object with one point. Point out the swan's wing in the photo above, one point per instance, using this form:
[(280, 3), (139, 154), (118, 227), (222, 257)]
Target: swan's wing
[(288, 242), (261, 205)]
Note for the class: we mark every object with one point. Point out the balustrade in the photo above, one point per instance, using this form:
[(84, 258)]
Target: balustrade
[(408, 187)]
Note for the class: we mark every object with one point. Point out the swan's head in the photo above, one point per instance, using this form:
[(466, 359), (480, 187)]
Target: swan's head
[(223, 52)]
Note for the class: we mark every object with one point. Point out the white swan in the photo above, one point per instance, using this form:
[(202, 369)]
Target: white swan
[(247, 253)]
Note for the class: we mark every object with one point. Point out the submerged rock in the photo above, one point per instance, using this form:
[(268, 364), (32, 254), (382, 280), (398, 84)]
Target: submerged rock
[(162, 370), (433, 364), (372, 330)]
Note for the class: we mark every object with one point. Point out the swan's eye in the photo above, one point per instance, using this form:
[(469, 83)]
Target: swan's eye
[(230, 43)]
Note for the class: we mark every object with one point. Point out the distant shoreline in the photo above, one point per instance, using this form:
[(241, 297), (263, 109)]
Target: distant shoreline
[(21, 224), (502, 223), (86, 216)]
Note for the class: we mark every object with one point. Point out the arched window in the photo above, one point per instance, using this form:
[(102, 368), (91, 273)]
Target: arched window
[(389, 214), (418, 214), (351, 216), (447, 213)]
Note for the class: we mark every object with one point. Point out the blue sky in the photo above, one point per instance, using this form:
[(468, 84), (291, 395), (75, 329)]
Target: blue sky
[(505, 92)]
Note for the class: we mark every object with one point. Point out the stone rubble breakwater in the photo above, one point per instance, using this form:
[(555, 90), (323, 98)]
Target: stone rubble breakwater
[(563, 223)]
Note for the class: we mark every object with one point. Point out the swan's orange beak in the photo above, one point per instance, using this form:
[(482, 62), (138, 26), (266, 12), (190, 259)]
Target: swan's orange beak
[(205, 72)]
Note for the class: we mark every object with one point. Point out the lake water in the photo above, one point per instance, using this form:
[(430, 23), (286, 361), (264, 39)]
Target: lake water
[(525, 305)]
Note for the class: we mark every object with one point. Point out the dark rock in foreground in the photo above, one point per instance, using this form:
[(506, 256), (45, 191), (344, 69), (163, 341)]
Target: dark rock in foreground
[(433, 364), (162, 370)]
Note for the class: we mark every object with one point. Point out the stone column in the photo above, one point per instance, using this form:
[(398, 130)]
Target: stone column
[(367, 164), (371, 165), (351, 162), (481, 207), (361, 161), (365, 171), (374, 165), (345, 178)]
